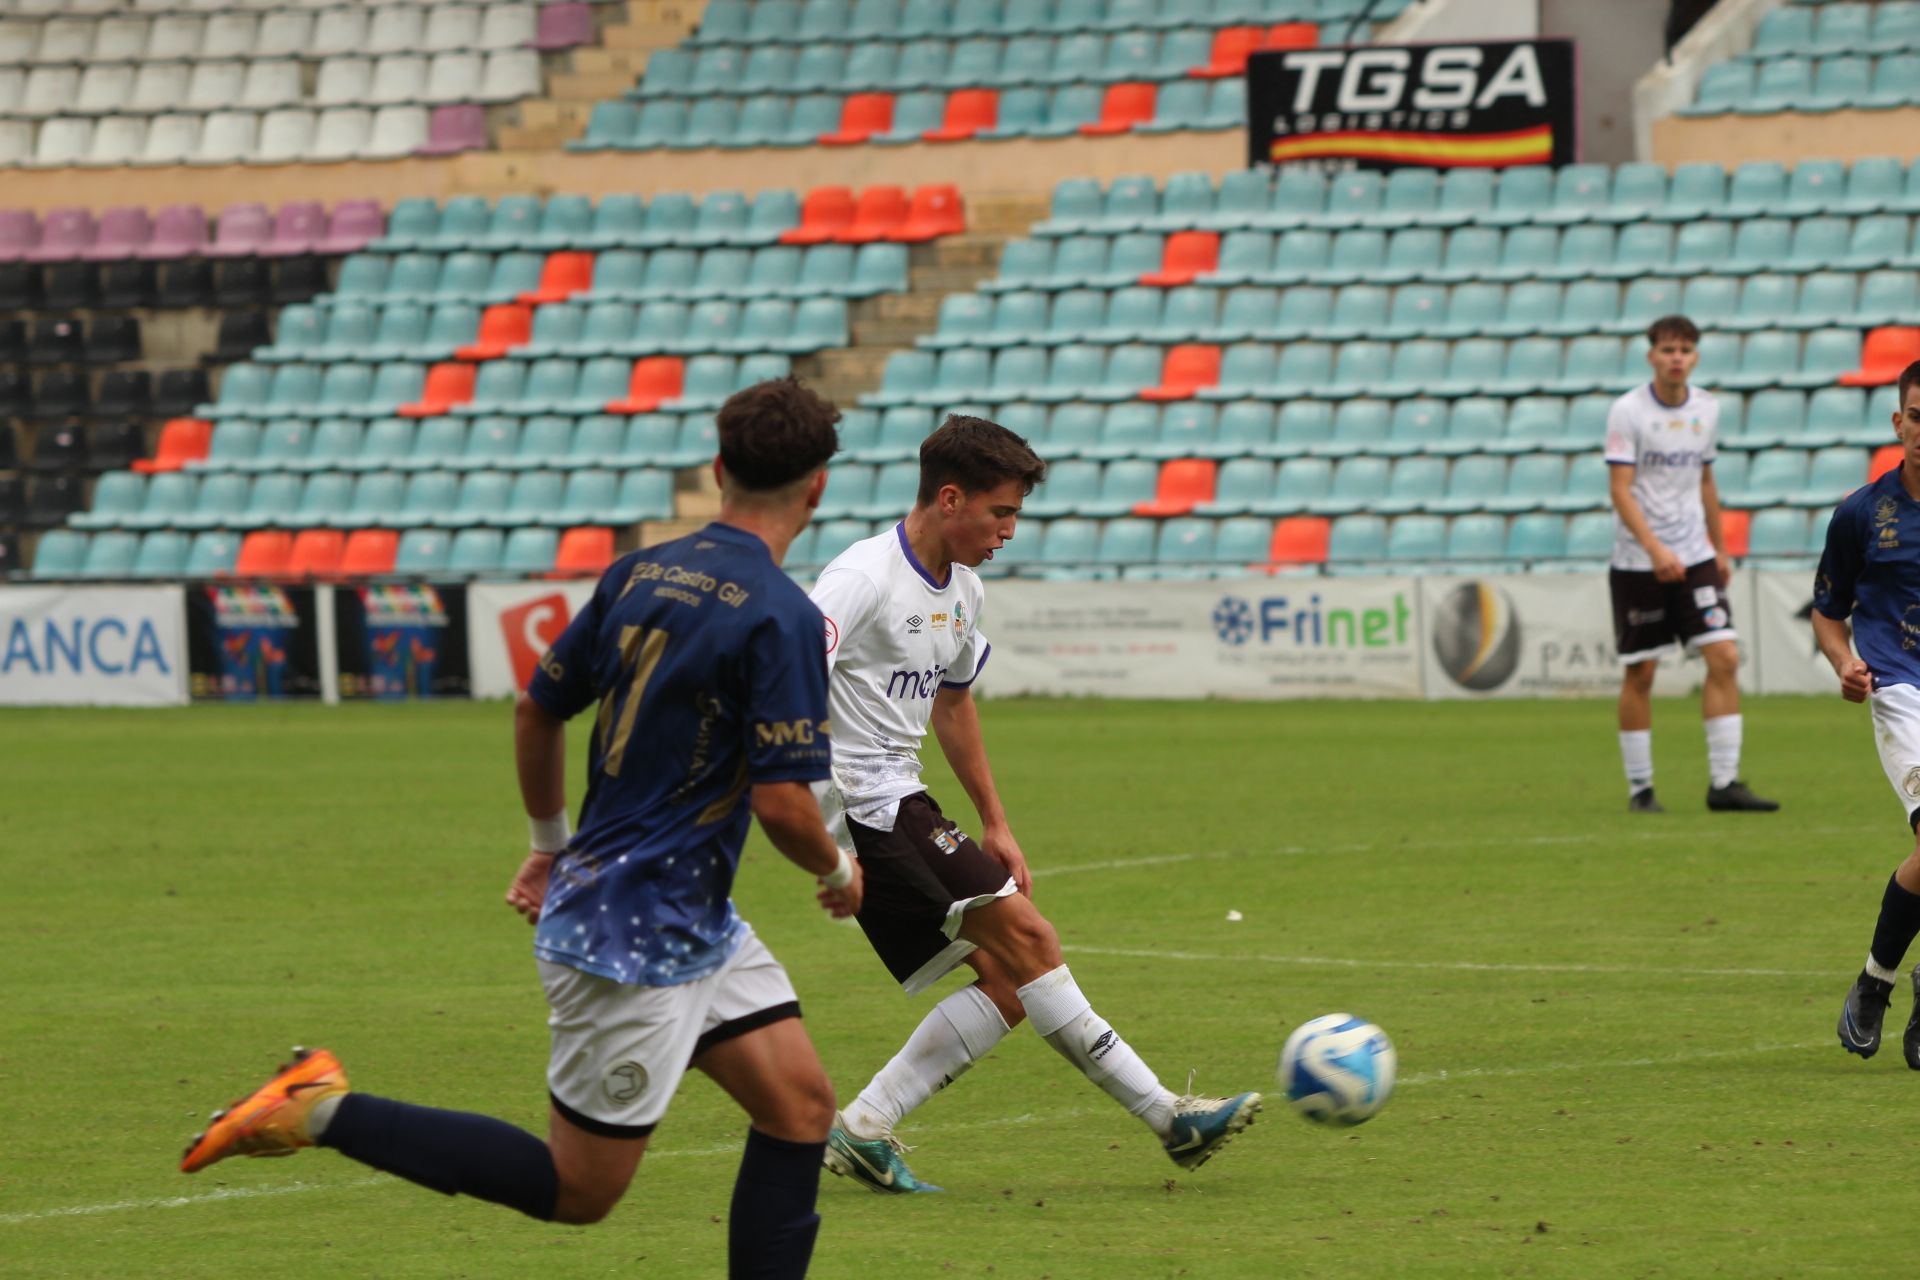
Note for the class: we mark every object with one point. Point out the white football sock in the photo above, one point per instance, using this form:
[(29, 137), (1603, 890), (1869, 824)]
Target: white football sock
[(1066, 1020), (1636, 754), (1723, 749), (1877, 970), (955, 1034), (322, 1115)]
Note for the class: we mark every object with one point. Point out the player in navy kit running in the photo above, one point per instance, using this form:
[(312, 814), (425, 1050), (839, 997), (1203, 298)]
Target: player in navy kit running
[(1866, 590), (708, 667)]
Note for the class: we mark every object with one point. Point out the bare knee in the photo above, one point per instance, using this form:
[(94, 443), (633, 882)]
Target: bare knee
[(1018, 937), (801, 1111), (1638, 677), (1723, 662), (1005, 994), (581, 1205)]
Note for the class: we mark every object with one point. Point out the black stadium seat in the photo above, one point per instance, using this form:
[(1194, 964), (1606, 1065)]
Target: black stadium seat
[(50, 500), (71, 286), (61, 447), (9, 454), (13, 341), (113, 340), (179, 392), (19, 286), (187, 283), (115, 446), (125, 393), (62, 393), (16, 393), (242, 282), (300, 280), (241, 332), (9, 555), (128, 284), (12, 500), (57, 342)]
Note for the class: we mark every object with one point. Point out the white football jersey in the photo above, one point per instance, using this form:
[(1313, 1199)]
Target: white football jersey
[(895, 638), (1667, 446)]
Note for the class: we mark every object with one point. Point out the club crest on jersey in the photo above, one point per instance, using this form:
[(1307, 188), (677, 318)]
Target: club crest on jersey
[(1886, 522), (948, 842), (1911, 784), (959, 620)]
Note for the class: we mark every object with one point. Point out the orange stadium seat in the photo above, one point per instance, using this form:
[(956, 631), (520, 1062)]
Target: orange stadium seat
[(1232, 46), (263, 554), (1885, 459), (1122, 108), (584, 553), (936, 210), (655, 380), (502, 328), (1188, 254), (824, 213), (316, 553), (1886, 353), (369, 552), (1299, 540), (182, 440), (861, 116), (969, 111), (1292, 35), (448, 384), (879, 214), (1736, 528), (1189, 367), (566, 273), (1185, 483)]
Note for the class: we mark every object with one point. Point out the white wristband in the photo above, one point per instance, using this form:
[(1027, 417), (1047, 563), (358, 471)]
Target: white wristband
[(549, 835), (841, 876)]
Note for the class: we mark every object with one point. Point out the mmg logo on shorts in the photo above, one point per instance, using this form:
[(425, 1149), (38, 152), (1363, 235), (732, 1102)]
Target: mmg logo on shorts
[(915, 684)]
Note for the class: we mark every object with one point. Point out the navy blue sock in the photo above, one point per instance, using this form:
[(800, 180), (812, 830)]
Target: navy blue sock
[(1899, 921), (772, 1224), (453, 1152)]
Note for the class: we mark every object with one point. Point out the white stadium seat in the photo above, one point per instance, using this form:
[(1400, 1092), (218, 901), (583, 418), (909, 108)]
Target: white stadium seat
[(229, 35), (16, 141), (104, 89), (338, 31), (343, 82), (62, 141), (227, 137), (398, 77), (19, 37), (215, 85), (453, 77), (48, 91), (159, 86), (286, 136), (286, 34), (271, 83), (13, 82), (509, 26), (395, 29), (171, 139), (117, 140), (396, 132), (119, 40), (65, 40), (450, 27), (175, 36), (510, 75), (340, 134)]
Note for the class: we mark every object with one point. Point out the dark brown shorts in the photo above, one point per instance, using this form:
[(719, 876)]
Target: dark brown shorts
[(918, 877), (1650, 616)]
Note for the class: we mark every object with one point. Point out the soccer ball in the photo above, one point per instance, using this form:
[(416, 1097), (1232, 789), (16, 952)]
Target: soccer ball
[(1338, 1069)]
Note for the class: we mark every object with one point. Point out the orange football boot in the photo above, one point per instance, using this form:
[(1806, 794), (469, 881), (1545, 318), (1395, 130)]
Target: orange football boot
[(272, 1120)]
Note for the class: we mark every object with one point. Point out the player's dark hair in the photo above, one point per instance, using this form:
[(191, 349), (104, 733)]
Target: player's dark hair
[(775, 432), (976, 455), (1669, 328), (1909, 377)]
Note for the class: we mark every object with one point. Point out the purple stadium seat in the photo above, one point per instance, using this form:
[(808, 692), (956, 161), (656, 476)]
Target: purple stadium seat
[(19, 232), (455, 127), (64, 236), (243, 230), (564, 26), (297, 227), (179, 231), (355, 225), (124, 232)]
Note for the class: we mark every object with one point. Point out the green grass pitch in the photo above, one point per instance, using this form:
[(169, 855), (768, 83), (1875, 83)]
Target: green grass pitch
[(1615, 1033)]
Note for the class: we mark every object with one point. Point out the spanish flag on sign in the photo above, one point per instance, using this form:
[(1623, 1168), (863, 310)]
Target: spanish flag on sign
[(1441, 150)]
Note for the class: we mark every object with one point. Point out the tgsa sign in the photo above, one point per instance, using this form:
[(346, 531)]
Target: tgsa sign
[(1448, 78)]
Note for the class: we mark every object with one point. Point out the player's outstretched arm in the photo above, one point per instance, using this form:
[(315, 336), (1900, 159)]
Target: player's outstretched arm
[(956, 723), (1835, 640), (790, 816), (540, 758)]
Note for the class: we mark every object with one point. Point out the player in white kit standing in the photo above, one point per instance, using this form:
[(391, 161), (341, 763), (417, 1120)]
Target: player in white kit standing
[(1669, 568), (903, 648)]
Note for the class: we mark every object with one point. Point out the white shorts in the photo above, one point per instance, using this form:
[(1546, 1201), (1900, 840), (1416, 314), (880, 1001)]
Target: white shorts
[(619, 1050), (1896, 731)]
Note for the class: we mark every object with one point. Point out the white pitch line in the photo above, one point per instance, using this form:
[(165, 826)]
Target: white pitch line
[(1460, 966), (1416, 1080)]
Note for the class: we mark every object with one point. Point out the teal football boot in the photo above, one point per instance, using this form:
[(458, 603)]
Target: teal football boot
[(875, 1163)]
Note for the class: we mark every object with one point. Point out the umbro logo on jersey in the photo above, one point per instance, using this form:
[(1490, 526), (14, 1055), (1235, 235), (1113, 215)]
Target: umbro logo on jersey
[(914, 624)]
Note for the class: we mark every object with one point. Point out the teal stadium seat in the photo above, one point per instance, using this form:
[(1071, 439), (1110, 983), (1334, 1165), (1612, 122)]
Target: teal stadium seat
[(212, 555), (110, 554), (1537, 536), (1356, 539), (529, 552)]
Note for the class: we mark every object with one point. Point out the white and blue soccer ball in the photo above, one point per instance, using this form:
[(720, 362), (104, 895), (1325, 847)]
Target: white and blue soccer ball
[(1338, 1069)]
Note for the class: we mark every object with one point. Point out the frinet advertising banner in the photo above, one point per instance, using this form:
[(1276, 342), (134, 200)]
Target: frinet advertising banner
[(1443, 106), (93, 646)]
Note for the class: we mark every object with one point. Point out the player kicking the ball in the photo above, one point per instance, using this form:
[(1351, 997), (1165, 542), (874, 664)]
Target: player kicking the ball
[(904, 646), (708, 668), (1669, 570), (1870, 575)]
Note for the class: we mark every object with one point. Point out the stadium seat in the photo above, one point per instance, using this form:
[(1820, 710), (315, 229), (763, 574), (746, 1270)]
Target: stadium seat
[(1886, 352)]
